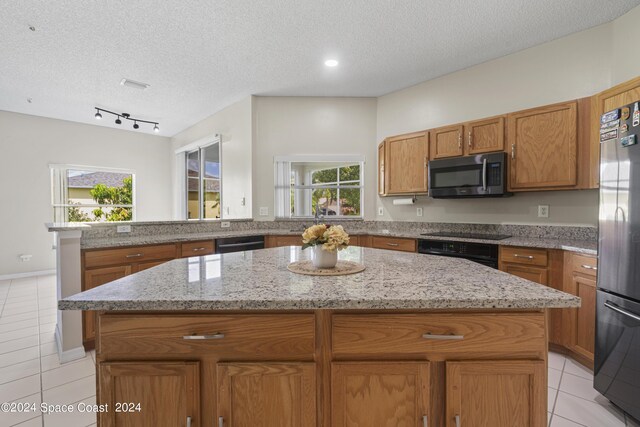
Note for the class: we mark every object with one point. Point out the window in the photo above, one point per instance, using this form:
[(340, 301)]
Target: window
[(89, 194), (203, 182), (332, 188)]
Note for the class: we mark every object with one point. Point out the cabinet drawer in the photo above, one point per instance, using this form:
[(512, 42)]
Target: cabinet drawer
[(393, 243), (444, 335), (244, 337), (584, 264), (130, 255), (204, 247), (527, 256)]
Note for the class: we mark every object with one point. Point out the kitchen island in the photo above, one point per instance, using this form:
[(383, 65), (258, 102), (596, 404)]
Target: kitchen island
[(238, 340)]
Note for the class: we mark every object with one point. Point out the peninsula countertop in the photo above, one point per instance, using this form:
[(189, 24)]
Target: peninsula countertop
[(259, 280)]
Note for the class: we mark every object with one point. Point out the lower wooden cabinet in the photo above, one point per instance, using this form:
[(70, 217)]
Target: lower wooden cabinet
[(284, 240), (380, 394), (150, 394), (266, 394), (496, 393), (393, 243)]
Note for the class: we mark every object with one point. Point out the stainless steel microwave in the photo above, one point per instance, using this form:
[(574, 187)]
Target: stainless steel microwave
[(483, 175)]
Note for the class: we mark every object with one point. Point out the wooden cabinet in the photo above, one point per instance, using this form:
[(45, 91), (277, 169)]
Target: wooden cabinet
[(535, 274), (168, 394), (393, 243), (266, 394), (129, 255), (580, 280), (497, 393), (610, 99), (446, 142), (543, 146), (203, 247), (484, 136), (92, 279), (380, 394), (403, 161), (528, 263), (284, 240)]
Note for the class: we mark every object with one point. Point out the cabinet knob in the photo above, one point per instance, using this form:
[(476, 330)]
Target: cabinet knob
[(134, 255), (188, 421), (457, 420), (393, 244), (220, 421), (425, 421), (588, 267)]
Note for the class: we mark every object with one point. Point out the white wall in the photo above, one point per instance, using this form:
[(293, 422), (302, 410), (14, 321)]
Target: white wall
[(303, 126), (575, 66), (234, 124), (28, 144), (626, 36)]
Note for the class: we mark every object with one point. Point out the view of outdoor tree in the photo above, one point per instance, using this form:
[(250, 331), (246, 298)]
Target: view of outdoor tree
[(105, 195), (349, 198)]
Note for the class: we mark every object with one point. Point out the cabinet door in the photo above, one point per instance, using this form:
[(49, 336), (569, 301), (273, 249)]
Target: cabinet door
[(484, 136), (381, 189), (496, 394), (406, 164), (535, 274), (279, 241), (543, 145), (446, 142), (93, 278), (370, 394), (582, 321), (267, 394), (168, 393)]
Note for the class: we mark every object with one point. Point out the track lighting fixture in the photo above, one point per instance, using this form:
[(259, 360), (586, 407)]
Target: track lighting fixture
[(126, 116)]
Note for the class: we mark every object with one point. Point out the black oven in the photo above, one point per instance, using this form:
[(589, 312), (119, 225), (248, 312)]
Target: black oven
[(483, 175)]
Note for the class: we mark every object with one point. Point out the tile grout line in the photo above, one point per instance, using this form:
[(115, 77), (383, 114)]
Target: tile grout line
[(39, 348), (564, 362)]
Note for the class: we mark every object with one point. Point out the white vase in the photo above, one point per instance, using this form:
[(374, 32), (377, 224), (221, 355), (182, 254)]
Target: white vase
[(324, 259)]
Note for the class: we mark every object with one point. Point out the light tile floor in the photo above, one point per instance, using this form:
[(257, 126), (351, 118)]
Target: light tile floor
[(31, 372)]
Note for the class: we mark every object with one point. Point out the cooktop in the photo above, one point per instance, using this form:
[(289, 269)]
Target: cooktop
[(467, 235)]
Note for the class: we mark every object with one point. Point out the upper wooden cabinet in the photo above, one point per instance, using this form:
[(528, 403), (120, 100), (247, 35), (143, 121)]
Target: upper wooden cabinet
[(543, 144), (447, 142), (484, 136), (402, 161)]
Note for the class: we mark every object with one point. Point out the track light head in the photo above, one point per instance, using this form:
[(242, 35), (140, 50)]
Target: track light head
[(135, 125), (156, 129), (118, 121), (98, 115)]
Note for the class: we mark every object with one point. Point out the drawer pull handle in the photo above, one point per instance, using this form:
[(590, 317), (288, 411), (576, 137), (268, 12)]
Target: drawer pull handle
[(216, 336), (220, 421), (523, 256), (188, 421), (198, 249), (393, 244), (425, 421), (588, 267), (457, 420), (134, 255), (430, 336)]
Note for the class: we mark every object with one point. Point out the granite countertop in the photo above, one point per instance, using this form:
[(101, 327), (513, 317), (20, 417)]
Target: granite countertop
[(581, 246), (260, 280)]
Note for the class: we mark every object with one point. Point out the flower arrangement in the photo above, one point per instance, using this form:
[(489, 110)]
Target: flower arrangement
[(332, 237)]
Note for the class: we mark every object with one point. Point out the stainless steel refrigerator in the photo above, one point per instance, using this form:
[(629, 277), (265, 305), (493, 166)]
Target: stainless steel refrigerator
[(617, 346)]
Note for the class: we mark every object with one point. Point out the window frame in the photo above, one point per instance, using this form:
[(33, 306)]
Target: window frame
[(283, 186), (63, 189)]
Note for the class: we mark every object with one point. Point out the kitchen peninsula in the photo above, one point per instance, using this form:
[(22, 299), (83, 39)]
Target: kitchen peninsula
[(238, 340)]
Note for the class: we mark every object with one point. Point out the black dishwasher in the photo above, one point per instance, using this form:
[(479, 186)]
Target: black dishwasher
[(483, 253), (226, 245)]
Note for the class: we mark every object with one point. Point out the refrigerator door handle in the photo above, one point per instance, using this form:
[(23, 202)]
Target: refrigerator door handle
[(617, 308)]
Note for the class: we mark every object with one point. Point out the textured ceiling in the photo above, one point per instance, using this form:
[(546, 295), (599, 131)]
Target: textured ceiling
[(201, 55)]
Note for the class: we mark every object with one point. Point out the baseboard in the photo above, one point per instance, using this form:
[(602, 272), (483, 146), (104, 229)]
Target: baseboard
[(29, 274), (69, 355)]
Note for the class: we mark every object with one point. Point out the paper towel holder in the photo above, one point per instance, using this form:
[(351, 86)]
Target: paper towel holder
[(405, 201)]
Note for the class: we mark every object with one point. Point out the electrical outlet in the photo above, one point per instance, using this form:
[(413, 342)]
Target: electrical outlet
[(225, 224), (264, 211), (380, 211), (418, 211), (25, 257), (123, 229), (543, 211)]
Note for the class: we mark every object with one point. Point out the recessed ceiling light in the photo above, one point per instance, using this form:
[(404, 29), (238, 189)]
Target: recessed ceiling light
[(134, 84), (331, 63)]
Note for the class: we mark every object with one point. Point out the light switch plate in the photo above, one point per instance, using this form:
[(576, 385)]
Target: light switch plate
[(225, 224), (419, 211), (123, 229), (380, 211), (264, 211), (543, 211)]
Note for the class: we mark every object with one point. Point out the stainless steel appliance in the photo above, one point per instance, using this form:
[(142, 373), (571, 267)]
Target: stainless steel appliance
[(238, 244), (483, 175), (617, 346), (483, 253)]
